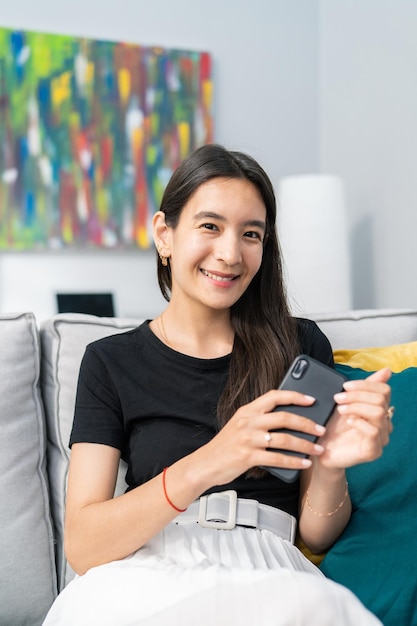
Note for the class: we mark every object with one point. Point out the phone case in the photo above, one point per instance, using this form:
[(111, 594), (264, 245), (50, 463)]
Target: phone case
[(312, 378)]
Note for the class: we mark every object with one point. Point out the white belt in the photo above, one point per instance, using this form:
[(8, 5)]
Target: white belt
[(225, 510)]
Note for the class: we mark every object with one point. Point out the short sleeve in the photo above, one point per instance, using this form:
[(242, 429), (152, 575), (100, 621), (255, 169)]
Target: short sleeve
[(98, 415), (314, 342)]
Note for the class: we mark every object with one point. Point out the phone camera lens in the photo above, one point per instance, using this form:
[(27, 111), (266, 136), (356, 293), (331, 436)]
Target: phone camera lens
[(299, 368)]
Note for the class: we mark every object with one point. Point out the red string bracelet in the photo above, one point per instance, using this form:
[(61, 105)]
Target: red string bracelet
[(165, 492)]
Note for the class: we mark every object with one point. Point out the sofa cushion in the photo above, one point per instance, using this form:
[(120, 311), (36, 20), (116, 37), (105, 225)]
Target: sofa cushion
[(375, 556), (397, 357), (368, 327), (27, 565), (64, 338)]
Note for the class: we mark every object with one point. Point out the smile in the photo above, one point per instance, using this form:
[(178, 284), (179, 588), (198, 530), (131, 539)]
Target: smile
[(220, 279)]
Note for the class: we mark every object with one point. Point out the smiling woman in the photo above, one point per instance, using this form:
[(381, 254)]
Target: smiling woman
[(214, 252), (188, 400)]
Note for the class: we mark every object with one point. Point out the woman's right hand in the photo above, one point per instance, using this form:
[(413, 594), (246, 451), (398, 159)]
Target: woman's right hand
[(100, 528), (242, 443)]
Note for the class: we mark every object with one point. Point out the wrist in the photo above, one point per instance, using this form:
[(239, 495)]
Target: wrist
[(333, 511), (194, 475), (326, 475)]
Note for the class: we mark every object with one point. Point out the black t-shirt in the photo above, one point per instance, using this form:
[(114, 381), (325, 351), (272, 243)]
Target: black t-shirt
[(157, 405)]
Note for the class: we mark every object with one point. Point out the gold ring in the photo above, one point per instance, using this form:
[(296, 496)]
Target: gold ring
[(390, 412), (267, 437)]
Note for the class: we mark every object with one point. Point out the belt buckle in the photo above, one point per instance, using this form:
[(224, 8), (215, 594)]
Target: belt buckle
[(231, 518)]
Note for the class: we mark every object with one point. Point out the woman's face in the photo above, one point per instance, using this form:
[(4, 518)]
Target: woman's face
[(216, 247)]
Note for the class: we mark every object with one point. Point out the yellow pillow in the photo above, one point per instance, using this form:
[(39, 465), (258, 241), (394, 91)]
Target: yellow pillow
[(397, 357)]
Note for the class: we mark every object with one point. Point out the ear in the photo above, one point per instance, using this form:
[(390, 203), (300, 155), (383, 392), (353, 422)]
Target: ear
[(161, 234)]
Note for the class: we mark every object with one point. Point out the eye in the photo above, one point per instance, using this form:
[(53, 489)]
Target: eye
[(209, 226), (253, 234)]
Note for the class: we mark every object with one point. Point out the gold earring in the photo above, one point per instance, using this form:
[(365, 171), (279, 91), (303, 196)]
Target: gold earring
[(164, 259)]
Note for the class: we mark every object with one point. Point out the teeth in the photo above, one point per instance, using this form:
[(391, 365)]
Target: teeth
[(221, 279)]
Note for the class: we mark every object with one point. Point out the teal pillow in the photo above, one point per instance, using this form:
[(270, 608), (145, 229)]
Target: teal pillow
[(376, 556)]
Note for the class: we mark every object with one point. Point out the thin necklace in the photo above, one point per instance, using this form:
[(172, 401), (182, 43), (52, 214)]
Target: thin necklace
[(162, 329)]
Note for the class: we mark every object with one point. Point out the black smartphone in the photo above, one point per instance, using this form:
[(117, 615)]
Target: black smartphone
[(310, 377)]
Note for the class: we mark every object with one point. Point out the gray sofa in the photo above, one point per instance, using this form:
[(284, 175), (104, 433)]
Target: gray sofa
[(39, 369)]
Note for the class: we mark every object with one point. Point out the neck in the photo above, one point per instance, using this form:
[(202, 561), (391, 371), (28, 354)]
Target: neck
[(199, 335)]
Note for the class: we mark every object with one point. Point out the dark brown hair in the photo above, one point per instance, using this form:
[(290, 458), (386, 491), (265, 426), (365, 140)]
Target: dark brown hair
[(266, 339)]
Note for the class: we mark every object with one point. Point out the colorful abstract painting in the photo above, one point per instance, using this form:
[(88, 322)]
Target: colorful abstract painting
[(90, 132)]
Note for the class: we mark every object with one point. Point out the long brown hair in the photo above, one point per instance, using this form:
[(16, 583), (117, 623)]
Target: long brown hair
[(266, 339)]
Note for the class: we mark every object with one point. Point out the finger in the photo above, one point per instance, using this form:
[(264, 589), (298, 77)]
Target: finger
[(273, 458), (289, 420), (284, 440), (367, 385), (372, 393), (378, 416), (371, 413), (374, 437), (278, 397), (364, 397), (383, 375)]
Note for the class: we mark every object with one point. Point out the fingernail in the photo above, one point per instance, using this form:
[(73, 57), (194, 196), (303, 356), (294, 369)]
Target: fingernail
[(320, 429), (311, 398), (339, 397), (306, 463), (318, 448)]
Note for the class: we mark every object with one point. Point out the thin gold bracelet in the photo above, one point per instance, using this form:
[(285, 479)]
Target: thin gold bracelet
[(339, 506)]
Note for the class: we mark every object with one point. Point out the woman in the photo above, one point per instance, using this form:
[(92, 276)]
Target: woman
[(188, 400)]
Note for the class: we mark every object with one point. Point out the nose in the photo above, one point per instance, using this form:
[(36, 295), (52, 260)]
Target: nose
[(228, 250)]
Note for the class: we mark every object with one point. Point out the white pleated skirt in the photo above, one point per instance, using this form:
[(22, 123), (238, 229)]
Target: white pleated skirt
[(190, 575)]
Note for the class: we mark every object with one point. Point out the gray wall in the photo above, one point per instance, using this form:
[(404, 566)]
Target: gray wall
[(368, 135), (266, 103), (304, 86)]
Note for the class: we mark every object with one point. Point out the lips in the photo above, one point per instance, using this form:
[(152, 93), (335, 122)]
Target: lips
[(221, 278)]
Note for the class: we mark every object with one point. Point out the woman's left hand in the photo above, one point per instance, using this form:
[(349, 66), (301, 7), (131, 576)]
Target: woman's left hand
[(360, 426)]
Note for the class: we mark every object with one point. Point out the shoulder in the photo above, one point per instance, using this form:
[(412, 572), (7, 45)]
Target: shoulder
[(313, 341), (108, 363), (121, 340), (307, 328), (116, 351)]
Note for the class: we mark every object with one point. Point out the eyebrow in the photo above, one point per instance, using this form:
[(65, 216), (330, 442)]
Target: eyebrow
[(215, 216)]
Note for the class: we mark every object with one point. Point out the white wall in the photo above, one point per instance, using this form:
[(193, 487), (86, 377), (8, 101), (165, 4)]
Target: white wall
[(31, 281), (266, 102), (368, 133), (304, 86)]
